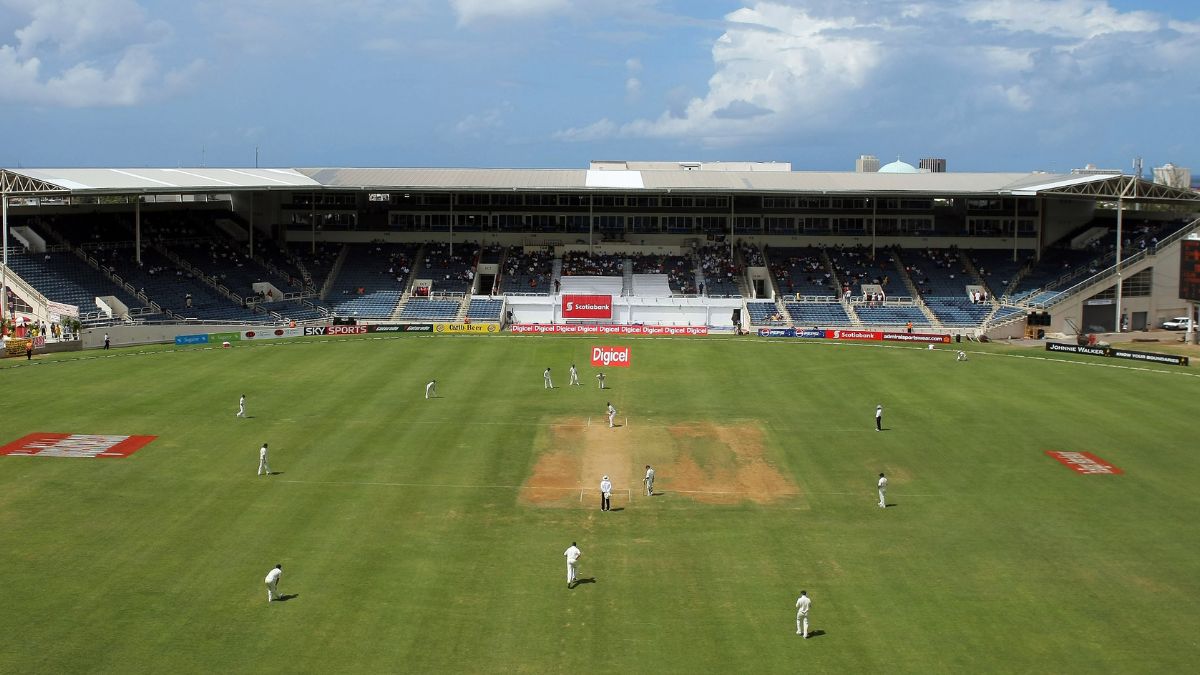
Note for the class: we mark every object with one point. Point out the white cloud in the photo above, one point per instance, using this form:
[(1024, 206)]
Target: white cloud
[(84, 53), (595, 131), (1067, 18), (475, 124), (469, 11), (633, 89), (805, 66), (773, 63)]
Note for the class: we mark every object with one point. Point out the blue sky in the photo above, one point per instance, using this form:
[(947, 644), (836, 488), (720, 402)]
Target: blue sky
[(991, 85)]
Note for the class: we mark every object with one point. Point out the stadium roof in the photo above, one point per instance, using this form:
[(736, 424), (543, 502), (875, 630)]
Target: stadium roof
[(84, 181), (170, 181)]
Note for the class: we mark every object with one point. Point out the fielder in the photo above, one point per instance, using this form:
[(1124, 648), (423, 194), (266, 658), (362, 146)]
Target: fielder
[(431, 390), (600, 379), (242, 406), (273, 582), (882, 490), (572, 554), (574, 375), (605, 494), (263, 467), (962, 356), (612, 413), (546, 379), (649, 481), (879, 417), (802, 605)]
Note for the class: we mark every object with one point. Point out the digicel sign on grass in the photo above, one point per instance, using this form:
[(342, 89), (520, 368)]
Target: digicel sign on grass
[(610, 356), (587, 306)]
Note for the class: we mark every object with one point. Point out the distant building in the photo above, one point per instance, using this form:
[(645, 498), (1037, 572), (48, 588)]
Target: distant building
[(898, 167), (1173, 176), (933, 164), (1093, 170), (866, 164)]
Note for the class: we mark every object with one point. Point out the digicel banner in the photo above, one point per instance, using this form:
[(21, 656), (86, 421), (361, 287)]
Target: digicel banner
[(610, 356), (587, 306), (605, 329)]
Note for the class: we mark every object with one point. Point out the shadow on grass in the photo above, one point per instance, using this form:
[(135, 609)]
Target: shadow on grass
[(285, 598), (588, 580)]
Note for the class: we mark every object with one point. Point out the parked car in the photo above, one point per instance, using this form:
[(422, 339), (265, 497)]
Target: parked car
[(1177, 323)]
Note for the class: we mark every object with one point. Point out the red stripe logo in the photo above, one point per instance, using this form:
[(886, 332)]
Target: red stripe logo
[(75, 445), (1084, 462)]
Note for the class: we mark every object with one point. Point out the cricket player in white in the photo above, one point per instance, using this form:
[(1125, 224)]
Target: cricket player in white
[(605, 494), (600, 379), (263, 467), (649, 481), (431, 389), (546, 379), (574, 375), (242, 406), (962, 356), (879, 417), (802, 605), (882, 491), (572, 554), (273, 582), (612, 413)]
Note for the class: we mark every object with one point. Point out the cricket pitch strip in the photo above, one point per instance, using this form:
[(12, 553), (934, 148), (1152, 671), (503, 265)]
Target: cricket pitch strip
[(701, 461)]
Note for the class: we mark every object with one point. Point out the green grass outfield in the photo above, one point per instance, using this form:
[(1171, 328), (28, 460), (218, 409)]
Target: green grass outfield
[(409, 546)]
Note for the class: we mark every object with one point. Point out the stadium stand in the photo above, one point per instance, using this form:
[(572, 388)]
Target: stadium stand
[(891, 315), (765, 314), (806, 314), (578, 263), (720, 271), (485, 309), (801, 271), (67, 278), (679, 271), (428, 309), (527, 271), (372, 280), (451, 273)]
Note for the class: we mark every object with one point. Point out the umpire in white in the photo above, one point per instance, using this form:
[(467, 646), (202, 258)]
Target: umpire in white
[(605, 494)]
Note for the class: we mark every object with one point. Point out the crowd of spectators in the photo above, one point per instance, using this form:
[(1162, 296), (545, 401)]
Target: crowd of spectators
[(854, 267), (719, 269), (752, 255), (527, 271), (680, 274), (452, 272), (580, 264), (801, 271)]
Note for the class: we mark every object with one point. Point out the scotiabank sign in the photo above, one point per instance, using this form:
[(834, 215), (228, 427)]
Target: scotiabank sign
[(335, 330), (875, 335), (610, 356), (605, 329), (587, 306)]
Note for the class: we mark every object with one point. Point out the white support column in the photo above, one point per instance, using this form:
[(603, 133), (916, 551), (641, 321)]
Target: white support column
[(137, 229), (4, 266), (1120, 217), (252, 209)]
